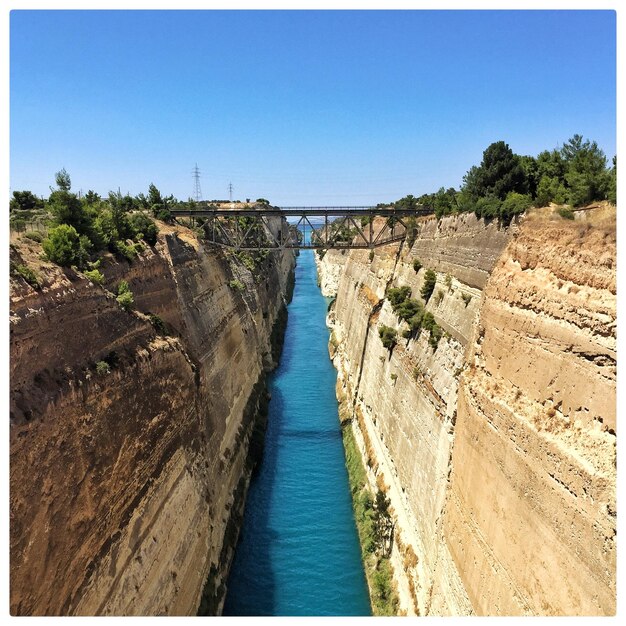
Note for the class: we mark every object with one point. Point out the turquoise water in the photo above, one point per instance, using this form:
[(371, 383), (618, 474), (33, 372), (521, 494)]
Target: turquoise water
[(298, 551)]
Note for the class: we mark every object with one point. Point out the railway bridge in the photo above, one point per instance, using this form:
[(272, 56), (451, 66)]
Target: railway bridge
[(263, 227)]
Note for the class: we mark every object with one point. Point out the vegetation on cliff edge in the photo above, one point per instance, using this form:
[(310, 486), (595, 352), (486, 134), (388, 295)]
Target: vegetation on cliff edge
[(369, 522)]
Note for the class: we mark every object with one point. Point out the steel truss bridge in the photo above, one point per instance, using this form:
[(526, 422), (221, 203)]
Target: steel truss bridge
[(280, 228)]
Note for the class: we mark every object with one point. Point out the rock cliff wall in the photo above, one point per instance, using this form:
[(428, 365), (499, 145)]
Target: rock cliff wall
[(127, 487), (497, 449)]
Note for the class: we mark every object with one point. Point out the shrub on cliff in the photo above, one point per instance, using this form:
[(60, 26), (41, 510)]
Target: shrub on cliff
[(433, 328), (430, 278), (125, 296), (26, 273), (397, 295), (102, 368), (95, 276), (417, 265), (388, 336), (408, 309), (65, 247), (141, 223), (236, 285)]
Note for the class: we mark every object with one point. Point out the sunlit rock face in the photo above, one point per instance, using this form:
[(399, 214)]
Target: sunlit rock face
[(497, 449)]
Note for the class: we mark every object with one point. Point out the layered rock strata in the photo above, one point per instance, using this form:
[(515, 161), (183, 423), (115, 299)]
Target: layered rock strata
[(127, 485), (497, 449)]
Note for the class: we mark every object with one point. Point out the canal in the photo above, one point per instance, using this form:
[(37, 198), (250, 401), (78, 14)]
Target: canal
[(298, 551)]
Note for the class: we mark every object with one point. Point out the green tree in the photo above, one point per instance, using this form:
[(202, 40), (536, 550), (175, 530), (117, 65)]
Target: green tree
[(120, 207), (551, 163), (25, 201), (388, 336), (612, 188), (62, 245), (430, 278), (382, 521), (500, 171), (67, 208), (63, 181), (444, 202), (141, 223), (514, 204), (550, 189), (531, 172), (587, 176), (92, 198)]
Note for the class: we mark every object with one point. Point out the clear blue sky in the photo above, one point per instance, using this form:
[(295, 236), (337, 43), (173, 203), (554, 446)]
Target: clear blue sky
[(299, 107)]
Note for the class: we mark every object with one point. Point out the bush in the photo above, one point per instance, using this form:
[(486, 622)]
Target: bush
[(397, 295), (236, 285), (565, 213), (430, 278), (27, 274), (388, 336), (63, 246), (95, 276), (125, 296), (408, 309), (417, 265), (550, 189), (371, 255), (126, 301), (433, 328), (34, 235), (158, 324), (128, 251), (102, 368), (514, 204), (141, 223), (466, 298), (488, 207)]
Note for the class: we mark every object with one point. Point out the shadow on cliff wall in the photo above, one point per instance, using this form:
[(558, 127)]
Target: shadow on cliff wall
[(251, 582)]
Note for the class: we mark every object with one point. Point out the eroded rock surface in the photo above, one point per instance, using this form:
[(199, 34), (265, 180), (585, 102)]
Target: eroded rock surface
[(497, 449), (127, 487)]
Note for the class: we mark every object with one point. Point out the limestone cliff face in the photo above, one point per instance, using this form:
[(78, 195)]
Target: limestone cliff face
[(127, 487), (497, 449)]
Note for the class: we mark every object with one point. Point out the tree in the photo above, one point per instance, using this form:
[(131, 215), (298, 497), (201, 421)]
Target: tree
[(499, 172), (550, 189), (531, 172), (62, 246), (25, 201), (388, 336), (612, 190), (91, 198), (550, 163), (586, 176), (63, 181), (430, 278), (67, 208), (408, 202), (514, 204), (120, 207), (444, 202), (141, 223)]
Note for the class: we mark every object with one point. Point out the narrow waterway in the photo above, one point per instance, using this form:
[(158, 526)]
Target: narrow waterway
[(298, 552)]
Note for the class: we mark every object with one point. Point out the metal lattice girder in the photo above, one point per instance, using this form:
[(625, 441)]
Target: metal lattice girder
[(256, 232)]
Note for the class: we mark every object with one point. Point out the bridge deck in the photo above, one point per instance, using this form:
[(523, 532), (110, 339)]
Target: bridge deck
[(269, 228)]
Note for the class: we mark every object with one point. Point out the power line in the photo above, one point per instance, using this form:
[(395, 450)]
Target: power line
[(197, 191)]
